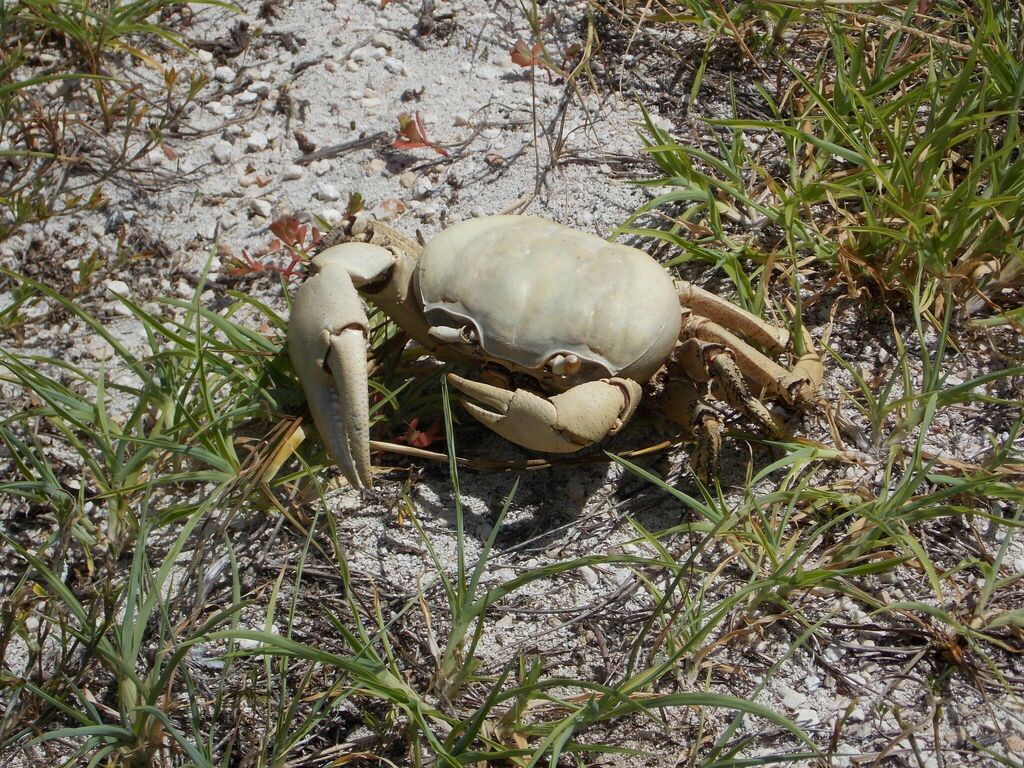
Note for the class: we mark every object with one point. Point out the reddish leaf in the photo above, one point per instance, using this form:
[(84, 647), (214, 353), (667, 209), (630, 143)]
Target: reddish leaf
[(290, 230), (571, 54), (412, 134), (524, 56), (247, 265), (418, 438)]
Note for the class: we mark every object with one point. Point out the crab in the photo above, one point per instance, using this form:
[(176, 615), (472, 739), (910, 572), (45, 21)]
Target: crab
[(568, 331)]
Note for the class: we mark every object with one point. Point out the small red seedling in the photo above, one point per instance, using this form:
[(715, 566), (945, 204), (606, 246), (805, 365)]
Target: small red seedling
[(419, 438), (525, 56), (412, 134), (290, 235)]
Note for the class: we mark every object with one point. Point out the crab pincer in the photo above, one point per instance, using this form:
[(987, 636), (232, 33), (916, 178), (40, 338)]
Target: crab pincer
[(562, 423), (327, 344)]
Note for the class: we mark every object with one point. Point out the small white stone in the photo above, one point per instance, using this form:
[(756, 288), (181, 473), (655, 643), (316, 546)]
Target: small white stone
[(356, 94), (292, 171), (222, 152), (260, 87), (331, 65), (204, 56), (490, 133), (256, 141), (389, 210), (330, 216), (118, 287), (117, 308), (422, 187), (156, 156), (369, 102), (246, 97), (393, 65), (477, 212), (261, 207), (465, 67), (806, 717), (462, 118), (791, 699), (378, 53), (327, 192), (224, 74), (99, 348)]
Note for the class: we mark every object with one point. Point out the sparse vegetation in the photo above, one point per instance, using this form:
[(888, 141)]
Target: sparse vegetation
[(68, 118)]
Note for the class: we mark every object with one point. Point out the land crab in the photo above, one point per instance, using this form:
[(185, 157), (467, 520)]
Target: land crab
[(567, 330)]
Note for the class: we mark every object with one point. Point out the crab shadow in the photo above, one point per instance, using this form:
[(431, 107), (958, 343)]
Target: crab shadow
[(543, 503)]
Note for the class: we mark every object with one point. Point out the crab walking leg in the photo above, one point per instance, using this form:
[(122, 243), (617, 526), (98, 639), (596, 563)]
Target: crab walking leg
[(714, 307), (809, 367), (685, 405), (562, 423), (793, 385), (327, 343)]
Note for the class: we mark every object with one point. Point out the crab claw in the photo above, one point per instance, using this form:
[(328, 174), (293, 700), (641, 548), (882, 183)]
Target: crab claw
[(327, 344), (562, 423)]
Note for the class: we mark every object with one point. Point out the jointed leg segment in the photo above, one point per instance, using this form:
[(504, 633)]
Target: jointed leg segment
[(562, 423)]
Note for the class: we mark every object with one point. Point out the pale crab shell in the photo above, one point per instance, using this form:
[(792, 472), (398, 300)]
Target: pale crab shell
[(531, 289)]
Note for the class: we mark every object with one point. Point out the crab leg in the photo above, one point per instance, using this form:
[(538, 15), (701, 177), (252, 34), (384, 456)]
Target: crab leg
[(793, 385), (799, 383), (562, 423), (685, 405), (327, 343), (702, 360)]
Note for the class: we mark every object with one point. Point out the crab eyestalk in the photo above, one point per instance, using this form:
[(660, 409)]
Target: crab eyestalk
[(327, 343)]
